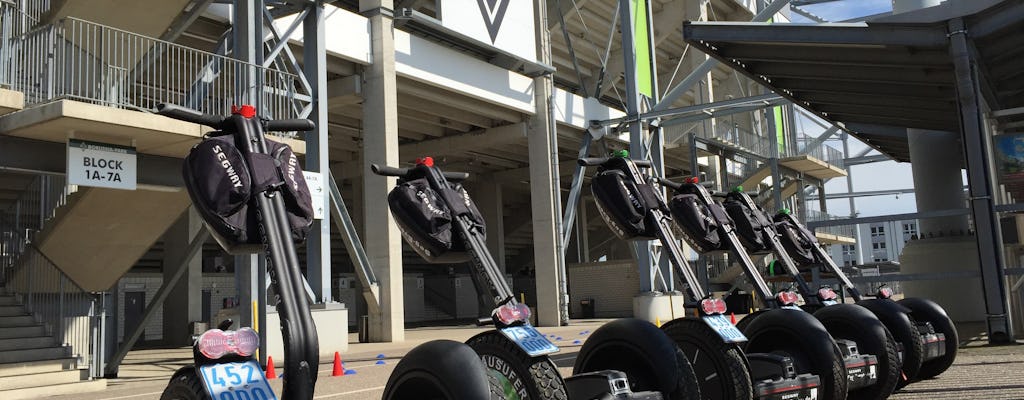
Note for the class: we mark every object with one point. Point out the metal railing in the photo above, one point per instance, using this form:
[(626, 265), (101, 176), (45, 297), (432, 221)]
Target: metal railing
[(71, 315), (822, 152), (89, 62), (842, 230)]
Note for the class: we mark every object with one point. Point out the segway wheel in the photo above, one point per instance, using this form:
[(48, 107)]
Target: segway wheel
[(903, 329), (440, 370), (856, 323), (803, 339), (924, 310), (720, 367), (648, 357), (184, 385), (520, 376)]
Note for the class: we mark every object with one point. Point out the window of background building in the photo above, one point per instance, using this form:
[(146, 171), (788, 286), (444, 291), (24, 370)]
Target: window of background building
[(877, 231), (878, 246)]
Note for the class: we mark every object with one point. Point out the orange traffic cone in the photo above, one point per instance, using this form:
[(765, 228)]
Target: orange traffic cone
[(732, 318), (339, 370), (271, 374)]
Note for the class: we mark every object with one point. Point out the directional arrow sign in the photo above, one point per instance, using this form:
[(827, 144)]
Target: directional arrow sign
[(314, 180)]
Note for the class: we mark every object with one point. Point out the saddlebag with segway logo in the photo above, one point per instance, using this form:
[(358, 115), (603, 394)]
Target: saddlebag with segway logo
[(699, 226), (749, 226), (797, 240), (218, 179), (623, 205), (427, 224)]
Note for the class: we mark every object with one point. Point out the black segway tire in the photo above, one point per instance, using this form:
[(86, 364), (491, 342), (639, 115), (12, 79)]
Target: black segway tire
[(904, 330), (441, 370), (647, 356), (800, 336), (745, 321), (184, 385), (856, 323), (924, 310), (721, 368), (521, 376)]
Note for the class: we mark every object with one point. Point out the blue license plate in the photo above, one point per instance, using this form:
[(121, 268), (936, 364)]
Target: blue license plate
[(527, 338), (721, 325), (236, 381)]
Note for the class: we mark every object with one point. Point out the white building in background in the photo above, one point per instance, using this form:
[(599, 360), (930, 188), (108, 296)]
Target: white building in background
[(880, 242)]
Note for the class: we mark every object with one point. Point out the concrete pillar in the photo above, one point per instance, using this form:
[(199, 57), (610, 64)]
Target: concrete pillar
[(542, 192), (380, 145), (184, 304), (318, 245), (488, 197), (935, 163)]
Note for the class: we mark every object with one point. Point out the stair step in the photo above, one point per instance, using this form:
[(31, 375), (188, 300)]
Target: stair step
[(37, 367), (53, 390), (22, 331), (24, 320), (12, 310), (42, 379), (26, 343), (8, 300), (45, 353)]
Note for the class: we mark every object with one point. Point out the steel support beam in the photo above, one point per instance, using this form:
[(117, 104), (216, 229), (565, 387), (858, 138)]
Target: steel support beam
[(820, 139), (575, 189), (977, 144), (700, 72), (194, 246), (723, 112), (700, 109), (884, 218), (354, 246), (865, 160)]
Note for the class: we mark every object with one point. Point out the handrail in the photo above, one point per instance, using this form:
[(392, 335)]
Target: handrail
[(84, 61)]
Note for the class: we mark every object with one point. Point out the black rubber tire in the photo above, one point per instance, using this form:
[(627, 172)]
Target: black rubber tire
[(440, 370), (745, 321), (924, 310), (647, 356), (534, 378), (721, 368), (185, 385), (903, 329), (800, 336), (856, 323)]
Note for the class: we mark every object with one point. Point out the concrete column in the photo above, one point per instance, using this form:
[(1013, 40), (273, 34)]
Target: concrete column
[(184, 304), (935, 163), (488, 197), (542, 192), (380, 145), (318, 245)]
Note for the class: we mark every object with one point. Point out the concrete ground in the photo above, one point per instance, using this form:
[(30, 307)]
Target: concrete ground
[(980, 372)]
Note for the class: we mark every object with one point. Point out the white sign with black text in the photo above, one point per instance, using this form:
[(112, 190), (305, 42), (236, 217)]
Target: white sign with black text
[(101, 165), (314, 180), (505, 24)]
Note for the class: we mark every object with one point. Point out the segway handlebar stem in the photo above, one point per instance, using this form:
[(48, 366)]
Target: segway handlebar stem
[(217, 122), (404, 173)]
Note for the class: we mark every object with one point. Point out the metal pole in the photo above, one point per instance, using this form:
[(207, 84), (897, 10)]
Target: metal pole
[(318, 247), (977, 143)]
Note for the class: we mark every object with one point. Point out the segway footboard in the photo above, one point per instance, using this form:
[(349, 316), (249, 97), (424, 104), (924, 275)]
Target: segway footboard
[(934, 342), (861, 369), (605, 385), (775, 378)]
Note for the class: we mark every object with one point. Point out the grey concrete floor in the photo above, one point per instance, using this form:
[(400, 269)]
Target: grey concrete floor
[(980, 372)]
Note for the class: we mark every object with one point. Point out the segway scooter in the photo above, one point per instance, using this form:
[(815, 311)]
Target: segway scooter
[(852, 326), (927, 334), (624, 359), (787, 365), (252, 197)]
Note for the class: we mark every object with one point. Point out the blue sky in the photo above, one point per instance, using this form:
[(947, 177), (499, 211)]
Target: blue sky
[(846, 9)]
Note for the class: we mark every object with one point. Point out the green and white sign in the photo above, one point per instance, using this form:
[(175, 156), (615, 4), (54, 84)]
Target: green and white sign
[(101, 165)]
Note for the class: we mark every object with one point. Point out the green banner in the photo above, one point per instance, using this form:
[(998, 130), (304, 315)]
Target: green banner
[(642, 48), (780, 132)]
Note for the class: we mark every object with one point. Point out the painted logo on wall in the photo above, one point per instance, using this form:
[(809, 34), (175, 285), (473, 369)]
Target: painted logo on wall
[(505, 24), (493, 12)]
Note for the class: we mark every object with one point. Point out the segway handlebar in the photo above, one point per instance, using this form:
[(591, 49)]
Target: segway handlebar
[(189, 115), (592, 161), (216, 122), (384, 170)]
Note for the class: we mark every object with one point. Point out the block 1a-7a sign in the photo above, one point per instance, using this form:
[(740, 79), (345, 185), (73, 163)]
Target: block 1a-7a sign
[(101, 165)]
